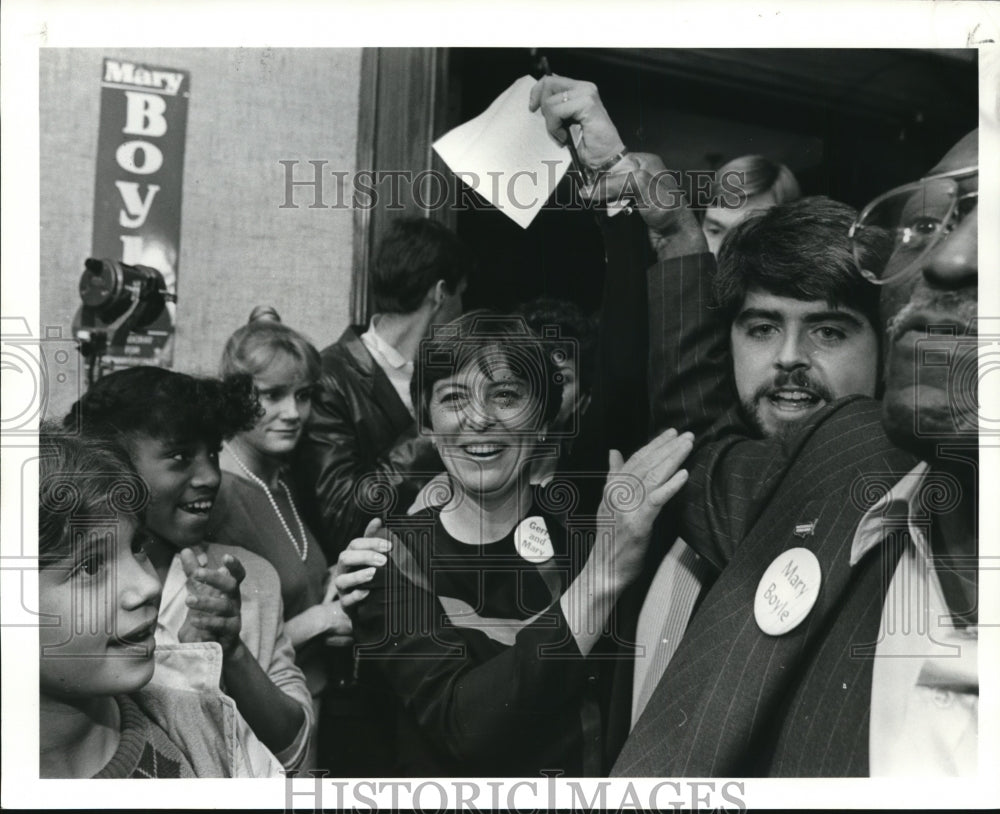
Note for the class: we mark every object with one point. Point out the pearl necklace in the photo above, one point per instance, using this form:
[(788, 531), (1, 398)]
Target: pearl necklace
[(301, 550)]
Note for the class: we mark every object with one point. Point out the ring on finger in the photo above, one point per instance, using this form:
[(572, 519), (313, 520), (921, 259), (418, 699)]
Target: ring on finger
[(565, 97)]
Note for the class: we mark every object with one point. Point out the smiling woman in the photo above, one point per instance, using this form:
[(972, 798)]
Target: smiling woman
[(483, 620), (172, 426), (486, 396)]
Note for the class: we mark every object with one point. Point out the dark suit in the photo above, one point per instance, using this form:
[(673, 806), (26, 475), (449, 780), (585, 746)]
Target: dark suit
[(735, 701)]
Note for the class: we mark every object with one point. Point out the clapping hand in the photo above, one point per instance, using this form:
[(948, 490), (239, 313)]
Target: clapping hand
[(637, 490), (213, 601), (357, 563)]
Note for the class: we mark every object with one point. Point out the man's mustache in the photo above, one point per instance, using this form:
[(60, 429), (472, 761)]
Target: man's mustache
[(797, 378), (955, 308)]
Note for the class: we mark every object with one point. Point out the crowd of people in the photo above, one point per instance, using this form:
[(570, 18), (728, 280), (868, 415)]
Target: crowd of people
[(446, 545)]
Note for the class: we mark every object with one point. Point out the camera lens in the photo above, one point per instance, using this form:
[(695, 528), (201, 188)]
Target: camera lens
[(100, 283)]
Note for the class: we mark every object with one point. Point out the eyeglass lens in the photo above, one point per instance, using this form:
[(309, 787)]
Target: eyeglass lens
[(902, 226)]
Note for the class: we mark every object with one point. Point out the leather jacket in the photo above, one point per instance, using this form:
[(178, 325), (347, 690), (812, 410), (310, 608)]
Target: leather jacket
[(361, 454)]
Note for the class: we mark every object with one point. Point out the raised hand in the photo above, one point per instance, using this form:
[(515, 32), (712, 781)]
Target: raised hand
[(213, 602), (565, 101), (357, 563), (636, 491)]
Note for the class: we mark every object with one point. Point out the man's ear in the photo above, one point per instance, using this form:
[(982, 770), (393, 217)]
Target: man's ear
[(438, 293)]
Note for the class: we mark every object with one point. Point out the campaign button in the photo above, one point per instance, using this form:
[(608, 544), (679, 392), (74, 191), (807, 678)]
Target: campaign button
[(532, 541), (787, 591)]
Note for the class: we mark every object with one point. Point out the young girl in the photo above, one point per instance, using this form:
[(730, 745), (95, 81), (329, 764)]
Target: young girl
[(112, 704), (483, 617), (172, 426)]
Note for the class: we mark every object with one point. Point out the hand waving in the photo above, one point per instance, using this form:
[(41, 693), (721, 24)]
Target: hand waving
[(636, 491), (565, 101)]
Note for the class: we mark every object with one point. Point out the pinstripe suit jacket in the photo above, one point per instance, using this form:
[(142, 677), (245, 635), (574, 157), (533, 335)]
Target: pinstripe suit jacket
[(735, 701), (688, 358)]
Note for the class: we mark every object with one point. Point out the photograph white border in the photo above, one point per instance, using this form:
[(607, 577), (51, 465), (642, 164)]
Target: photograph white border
[(28, 26)]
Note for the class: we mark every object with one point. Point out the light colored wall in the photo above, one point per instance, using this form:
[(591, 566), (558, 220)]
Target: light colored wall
[(248, 109)]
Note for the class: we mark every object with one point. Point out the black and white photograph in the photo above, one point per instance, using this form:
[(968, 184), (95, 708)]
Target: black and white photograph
[(500, 408)]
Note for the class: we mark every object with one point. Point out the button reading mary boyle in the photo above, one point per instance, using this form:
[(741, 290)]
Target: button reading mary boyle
[(787, 591), (532, 540)]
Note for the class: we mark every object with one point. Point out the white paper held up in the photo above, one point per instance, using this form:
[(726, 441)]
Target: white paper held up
[(506, 155)]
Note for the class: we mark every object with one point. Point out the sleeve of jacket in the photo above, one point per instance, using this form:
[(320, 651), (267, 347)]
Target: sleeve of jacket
[(185, 700), (620, 401), (730, 475), (735, 475), (472, 706), (263, 632), (350, 488), (288, 678), (689, 378), (690, 385), (618, 415)]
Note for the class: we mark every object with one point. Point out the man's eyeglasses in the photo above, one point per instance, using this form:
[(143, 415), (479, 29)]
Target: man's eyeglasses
[(896, 231)]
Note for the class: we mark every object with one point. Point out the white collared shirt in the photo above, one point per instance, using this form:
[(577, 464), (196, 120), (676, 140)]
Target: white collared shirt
[(925, 680), (664, 617), (396, 367)]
